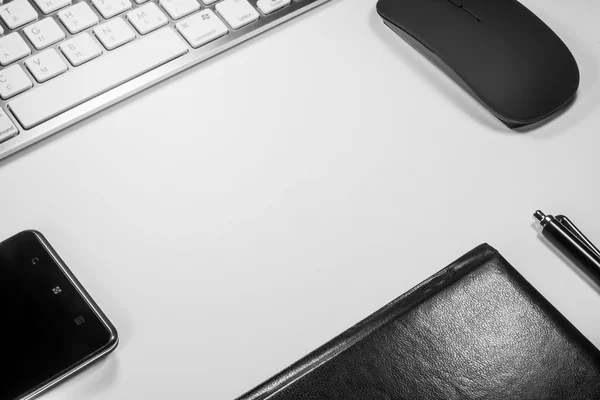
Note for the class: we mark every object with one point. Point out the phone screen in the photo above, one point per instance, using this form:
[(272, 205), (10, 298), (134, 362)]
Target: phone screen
[(46, 326)]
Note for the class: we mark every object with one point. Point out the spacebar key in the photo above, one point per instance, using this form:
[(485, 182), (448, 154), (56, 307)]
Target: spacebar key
[(90, 80)]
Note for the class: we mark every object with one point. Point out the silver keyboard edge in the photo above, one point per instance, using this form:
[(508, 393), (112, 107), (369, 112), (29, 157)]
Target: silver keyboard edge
[(26, 138)]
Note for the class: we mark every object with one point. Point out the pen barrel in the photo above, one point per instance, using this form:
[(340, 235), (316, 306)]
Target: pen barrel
[(573, 249)]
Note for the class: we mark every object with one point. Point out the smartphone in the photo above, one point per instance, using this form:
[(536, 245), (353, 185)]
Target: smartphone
[(50, 328)]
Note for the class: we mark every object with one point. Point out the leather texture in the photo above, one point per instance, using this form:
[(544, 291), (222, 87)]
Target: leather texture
[(475, 330)]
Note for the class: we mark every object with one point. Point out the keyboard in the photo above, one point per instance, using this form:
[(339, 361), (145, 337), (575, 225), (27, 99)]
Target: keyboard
[(64, 60)]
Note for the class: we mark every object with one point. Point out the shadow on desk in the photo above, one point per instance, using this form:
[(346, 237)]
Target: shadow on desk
[(100, 375)]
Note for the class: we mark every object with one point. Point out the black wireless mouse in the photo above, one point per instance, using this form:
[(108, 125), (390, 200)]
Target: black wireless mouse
[(499, 50)]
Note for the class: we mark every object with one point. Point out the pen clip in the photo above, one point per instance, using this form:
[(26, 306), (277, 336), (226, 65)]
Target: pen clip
[(570, 226)]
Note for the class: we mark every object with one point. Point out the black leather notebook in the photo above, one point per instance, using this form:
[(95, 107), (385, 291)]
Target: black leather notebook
[(475, 330)]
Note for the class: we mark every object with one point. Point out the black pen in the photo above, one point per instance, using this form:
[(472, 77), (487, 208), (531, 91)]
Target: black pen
[(565, 236)]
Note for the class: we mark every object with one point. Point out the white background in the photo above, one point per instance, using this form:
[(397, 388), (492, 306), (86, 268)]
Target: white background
[(242, 213)]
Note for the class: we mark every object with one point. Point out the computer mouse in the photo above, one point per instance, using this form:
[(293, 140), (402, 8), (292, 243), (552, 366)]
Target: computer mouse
[(498, 49)]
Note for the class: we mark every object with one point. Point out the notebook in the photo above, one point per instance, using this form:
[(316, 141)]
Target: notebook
[(475, 330)]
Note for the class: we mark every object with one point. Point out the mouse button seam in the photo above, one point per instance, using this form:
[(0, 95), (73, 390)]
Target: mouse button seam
[(471, 13)]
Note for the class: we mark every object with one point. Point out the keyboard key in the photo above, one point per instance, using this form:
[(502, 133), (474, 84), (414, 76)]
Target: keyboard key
[(201, 28), (209, 2), (237, 13), (13, 81), (141, 1), (78, 18), (179, 8), (45, 65), (12, 48), (80, 49), (114, 33), (8, 130), (1, 31), (269, 6), (114, 68), (147, 18), (17, 13), (110, 8), (49, 6), (44, 33)]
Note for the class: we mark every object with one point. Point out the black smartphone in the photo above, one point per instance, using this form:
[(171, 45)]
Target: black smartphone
[(50, 327)]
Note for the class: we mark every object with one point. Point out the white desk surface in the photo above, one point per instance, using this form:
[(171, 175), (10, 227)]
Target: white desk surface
[(242, 213)]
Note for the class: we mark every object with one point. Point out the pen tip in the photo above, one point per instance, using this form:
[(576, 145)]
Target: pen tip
[(539, 216)]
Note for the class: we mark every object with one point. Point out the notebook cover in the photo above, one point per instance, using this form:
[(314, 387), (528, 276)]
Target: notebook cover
[(475, 330)]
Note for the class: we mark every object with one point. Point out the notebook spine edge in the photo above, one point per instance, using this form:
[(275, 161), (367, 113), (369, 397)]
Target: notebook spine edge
[(465, 264)]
